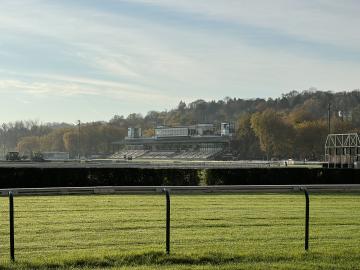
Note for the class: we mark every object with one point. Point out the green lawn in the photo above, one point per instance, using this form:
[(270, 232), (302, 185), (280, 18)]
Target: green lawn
[(256, 231)]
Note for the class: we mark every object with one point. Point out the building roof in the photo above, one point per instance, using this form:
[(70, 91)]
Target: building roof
[(175, 139)]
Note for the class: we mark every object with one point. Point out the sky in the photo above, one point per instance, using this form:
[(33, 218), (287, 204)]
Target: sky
[(93, 59)]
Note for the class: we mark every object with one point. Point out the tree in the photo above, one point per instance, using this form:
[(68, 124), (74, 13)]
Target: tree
[(118, 120), (28, 145), (275, 134), (310, 139), (182, 106), (149, 132), (134, 119), (355, 116), (246, 143), (70, 140), (341, 126), (311, 110), (54, 140), (108, 134)]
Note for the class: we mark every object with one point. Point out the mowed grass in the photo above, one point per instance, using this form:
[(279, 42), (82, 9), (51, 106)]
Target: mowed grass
[(237, 231)]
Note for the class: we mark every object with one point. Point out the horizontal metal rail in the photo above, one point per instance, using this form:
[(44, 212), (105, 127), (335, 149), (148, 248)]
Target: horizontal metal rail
[(158, 164), (178, 189)]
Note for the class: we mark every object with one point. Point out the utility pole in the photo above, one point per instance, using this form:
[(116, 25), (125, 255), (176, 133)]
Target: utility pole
[(329, 118), (79, 146)]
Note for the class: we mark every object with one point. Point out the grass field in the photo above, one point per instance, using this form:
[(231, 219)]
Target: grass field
[(207, 232)]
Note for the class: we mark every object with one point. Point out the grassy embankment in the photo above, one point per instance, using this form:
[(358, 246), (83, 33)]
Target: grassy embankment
[(208, 232)]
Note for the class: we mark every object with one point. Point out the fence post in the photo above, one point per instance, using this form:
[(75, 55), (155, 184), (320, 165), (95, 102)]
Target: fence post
[(11, 217), (307, 211), (167, 193)]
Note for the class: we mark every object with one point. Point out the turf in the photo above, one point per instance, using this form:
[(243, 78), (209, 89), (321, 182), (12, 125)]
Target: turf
[(238, 231)]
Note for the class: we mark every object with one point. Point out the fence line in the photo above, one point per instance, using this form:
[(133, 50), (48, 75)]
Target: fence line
[(174, 189), (159, 164), (178, 189), (168, 217)]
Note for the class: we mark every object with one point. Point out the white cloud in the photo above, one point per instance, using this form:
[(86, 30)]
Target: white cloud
[(145, 61), (325, 21), (111, 44)]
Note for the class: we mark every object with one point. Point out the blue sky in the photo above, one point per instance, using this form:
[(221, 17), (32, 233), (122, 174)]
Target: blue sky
[(91, 59)]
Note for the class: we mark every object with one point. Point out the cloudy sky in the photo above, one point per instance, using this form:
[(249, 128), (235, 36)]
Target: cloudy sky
[(90, 59)]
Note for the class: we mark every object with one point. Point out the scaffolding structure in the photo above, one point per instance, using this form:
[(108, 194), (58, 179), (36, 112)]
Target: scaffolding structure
[(342, 150)]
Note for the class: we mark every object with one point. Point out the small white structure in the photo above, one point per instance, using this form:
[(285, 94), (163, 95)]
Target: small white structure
[(227, 129), (56, 155), (342, 150), (172, 131), (134, 132)]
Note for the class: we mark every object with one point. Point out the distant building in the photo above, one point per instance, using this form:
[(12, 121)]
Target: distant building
[(201, 141), (227, 129), (56, 156), (134, 132)]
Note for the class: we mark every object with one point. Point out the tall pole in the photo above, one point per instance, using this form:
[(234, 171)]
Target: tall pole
[(11, 217), (307, 217), (167, 193), (79, 146), (329, 118)]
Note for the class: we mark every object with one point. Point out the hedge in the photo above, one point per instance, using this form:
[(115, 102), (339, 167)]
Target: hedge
[(80, 177), (282, 176)]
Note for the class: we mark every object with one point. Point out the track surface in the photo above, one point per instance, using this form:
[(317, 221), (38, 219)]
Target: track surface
[(208, 231)]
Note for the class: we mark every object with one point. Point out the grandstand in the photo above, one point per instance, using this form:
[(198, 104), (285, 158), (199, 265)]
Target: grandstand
[(195, 142), (128, 153), (199, 155), (158, 155)]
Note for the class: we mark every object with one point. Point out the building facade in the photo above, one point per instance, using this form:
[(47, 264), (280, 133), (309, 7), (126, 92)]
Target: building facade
[(201, 141)]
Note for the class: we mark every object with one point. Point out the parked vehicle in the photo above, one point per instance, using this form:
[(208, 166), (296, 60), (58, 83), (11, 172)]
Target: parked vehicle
[(37, 157), (13, 156)]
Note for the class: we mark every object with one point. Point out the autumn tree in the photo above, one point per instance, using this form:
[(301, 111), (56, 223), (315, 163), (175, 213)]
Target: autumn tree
[(149, 132), (275, 134), (355, 116), (310, 139), (28, 145), (339, 125), (312, 109), (70, 139), (246, 143), (107, 135)]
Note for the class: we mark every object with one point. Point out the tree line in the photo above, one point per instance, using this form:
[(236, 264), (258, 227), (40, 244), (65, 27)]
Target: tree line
[(291, 126)]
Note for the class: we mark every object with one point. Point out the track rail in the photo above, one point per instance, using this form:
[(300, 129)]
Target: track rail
[(156, 164), (178, 189)]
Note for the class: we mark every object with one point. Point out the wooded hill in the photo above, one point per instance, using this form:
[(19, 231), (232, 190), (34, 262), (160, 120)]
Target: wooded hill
[(291, 126)]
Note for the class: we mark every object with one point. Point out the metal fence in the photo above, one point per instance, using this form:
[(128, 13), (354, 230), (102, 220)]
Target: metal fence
[(159, 164), (168, 191), (177, 189)]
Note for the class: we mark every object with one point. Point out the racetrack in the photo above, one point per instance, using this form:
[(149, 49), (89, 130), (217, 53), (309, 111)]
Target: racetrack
[(208, 231)]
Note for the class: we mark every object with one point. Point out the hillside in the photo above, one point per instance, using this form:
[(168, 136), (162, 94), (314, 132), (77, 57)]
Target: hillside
[(291, 126)]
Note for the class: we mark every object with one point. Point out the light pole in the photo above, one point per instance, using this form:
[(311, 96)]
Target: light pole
[(329, 118), (79, 146)]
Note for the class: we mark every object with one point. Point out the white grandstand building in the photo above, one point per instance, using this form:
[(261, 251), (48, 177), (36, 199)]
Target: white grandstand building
[(195, 142)]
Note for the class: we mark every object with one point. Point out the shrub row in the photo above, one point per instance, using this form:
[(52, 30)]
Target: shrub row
[(79, 177), (282, 176)]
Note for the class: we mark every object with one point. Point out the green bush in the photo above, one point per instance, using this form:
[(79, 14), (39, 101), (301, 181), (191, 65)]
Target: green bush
[(80, 177)]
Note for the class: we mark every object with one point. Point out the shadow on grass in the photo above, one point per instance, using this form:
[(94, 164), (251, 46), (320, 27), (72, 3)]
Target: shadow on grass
[(161, 259)]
